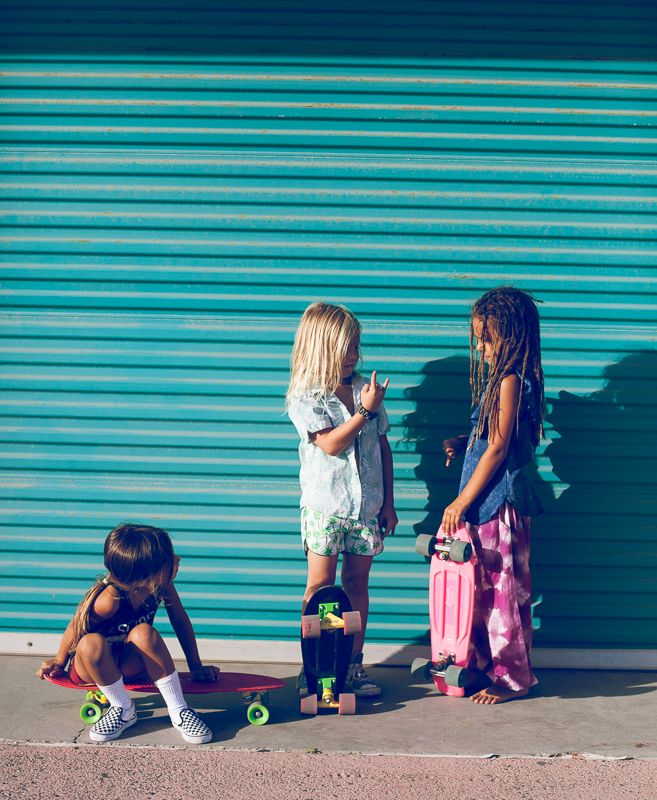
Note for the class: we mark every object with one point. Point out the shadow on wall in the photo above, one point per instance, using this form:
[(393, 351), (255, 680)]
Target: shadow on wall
[(415, 29), (594, 550)]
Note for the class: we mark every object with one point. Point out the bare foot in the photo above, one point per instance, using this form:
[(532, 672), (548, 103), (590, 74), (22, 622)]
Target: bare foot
[(492, 695)]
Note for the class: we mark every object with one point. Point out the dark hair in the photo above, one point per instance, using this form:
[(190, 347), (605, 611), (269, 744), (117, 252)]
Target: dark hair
[(510, 317), (137, 553), (134, 555)]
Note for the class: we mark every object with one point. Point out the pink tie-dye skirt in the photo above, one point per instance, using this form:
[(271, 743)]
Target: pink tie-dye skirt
[(502, 623)]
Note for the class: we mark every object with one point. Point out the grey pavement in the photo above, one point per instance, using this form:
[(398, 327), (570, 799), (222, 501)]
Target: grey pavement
[(588, 713)]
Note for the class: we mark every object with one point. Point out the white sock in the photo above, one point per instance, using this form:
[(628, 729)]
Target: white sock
[(172, 693), (117, 695)]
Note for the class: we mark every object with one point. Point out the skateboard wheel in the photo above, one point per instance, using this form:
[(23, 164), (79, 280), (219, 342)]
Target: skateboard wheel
[(347, 703), (308, 705), (352, 622), (311, 626), (456, 676), (420, 669), (460, 551), (91, 712), (257, 714), (425, 544)]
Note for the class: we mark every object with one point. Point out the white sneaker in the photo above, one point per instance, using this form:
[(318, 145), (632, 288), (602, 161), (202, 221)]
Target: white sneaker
[(191, 726), (112, 724)]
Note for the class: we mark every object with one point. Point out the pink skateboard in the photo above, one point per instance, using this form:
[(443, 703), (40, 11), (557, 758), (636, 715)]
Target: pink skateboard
[(451, 603), (253, 688)]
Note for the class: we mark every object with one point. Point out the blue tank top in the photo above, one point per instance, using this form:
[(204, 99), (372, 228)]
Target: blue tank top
[(511, 482)]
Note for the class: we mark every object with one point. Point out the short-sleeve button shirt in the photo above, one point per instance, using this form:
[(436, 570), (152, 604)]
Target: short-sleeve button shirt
[(333, 484)]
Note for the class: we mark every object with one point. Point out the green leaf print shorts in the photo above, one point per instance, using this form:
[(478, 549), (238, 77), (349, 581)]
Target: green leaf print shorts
[(328, 535)]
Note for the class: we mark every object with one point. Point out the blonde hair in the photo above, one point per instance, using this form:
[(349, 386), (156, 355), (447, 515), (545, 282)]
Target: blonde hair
[(134, 556), (320, 347)]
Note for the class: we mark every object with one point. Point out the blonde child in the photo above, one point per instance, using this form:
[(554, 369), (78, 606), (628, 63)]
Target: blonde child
[(496, 499), (111, 635), (347, 504)]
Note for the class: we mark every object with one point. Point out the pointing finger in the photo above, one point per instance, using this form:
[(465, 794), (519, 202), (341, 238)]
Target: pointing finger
[(373, 380)]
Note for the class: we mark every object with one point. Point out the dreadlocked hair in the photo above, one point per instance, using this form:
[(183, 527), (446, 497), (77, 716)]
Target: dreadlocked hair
[(134, 556), (510, 322)]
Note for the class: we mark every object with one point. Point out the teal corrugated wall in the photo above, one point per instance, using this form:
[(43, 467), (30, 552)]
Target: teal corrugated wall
[(177, 184)]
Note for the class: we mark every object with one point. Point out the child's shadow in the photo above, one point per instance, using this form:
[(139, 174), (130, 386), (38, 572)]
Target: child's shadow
[(595, 551), (443, 404)]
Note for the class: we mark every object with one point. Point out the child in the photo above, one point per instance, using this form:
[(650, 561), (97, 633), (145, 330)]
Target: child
[(495, 498), (347, 503), (111, 635)]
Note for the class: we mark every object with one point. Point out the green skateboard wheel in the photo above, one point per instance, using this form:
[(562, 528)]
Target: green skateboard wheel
[(425, 544), (91, 712), (460, 551), (456, 676), (257, 714), (420, 669)]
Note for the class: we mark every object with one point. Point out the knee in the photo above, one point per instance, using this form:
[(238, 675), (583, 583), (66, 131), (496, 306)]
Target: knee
[(354, 583), (92, 647), (144, 637), (311, 588)]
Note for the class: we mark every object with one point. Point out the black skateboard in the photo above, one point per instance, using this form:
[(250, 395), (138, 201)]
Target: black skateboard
[(327, 628)]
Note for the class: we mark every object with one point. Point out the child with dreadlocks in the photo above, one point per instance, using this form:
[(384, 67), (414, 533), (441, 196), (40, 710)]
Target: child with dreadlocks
[(496, 499)]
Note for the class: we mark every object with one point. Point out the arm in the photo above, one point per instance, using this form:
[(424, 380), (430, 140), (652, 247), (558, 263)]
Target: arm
[(334, 440), (56, 666), (103, 607), (182, 626), (387, 516), (498, 447)]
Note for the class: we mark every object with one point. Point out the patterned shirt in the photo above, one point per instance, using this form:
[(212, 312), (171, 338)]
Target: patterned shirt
[(333, 484)]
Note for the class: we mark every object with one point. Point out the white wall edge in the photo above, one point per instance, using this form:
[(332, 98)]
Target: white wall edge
[(273, 652)]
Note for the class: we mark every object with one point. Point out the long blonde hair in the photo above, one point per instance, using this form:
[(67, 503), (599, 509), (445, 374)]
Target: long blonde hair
[(134, 555), (320, 347)]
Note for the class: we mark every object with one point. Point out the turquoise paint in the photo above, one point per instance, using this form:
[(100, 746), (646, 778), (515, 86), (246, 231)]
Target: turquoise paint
[(167, 212)]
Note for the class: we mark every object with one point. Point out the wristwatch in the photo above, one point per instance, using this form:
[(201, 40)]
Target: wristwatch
[(360, 409)]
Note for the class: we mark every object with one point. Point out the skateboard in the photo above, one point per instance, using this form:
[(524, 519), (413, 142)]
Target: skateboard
[(327, 628), (451, 603), (253, 688)]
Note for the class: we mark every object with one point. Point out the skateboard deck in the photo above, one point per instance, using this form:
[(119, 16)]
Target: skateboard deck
[(327, 627), (253, 688), (451, 604)]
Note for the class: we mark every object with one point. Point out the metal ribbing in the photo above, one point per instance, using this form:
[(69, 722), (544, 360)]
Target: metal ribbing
[(164, 222)]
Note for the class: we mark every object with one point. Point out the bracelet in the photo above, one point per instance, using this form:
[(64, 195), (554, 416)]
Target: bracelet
[(360, 409)]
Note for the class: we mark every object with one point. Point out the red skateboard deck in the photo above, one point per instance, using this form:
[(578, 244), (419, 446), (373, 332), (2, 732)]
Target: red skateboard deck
[(254, 689), (451, 605)]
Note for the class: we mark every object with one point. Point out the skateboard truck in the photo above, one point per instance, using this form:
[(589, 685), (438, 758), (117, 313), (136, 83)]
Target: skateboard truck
[(446, 548), (327, 619), (445, 668)]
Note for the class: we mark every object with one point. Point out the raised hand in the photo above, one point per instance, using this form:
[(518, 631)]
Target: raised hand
[(372, 393)]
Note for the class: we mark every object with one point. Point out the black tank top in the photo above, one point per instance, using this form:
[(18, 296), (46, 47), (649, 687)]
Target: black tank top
[(127, 617)]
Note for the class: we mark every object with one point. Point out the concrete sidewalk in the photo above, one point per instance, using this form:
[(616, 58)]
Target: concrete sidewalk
[(602, 714)]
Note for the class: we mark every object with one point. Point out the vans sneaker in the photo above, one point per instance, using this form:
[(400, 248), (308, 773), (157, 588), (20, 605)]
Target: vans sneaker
[(112, 724), (191, 726), (358, 681)]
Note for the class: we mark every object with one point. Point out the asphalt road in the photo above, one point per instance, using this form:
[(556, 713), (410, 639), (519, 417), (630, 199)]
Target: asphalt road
[(115, 772)]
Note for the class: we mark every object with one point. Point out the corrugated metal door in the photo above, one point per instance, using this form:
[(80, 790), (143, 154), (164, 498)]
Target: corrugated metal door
[(176, 188)]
